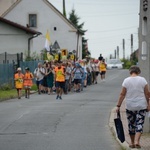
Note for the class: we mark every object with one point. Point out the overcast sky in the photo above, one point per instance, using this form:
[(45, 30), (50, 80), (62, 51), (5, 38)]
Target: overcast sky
[(108, 22)]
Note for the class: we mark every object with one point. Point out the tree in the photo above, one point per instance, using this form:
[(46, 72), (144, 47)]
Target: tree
[(74, 19)]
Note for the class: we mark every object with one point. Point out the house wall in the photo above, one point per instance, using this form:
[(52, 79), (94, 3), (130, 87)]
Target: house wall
[(47, 19), (13, 40)]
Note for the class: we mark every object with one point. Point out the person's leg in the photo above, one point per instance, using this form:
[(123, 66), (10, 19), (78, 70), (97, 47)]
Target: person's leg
[(62, 85), (60, 93), (79, 85), (18, 93), (25, 92), (75, 85), (132, 138), (57, 89), (140, 117), (131, 117), (85, 80), (37, 84), (104, 75), (48, 90), (137, 138), (28, 92), (92, 77), (101, 75)]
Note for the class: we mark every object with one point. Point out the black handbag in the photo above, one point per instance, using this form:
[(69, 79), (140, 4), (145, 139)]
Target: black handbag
[(119, 128)]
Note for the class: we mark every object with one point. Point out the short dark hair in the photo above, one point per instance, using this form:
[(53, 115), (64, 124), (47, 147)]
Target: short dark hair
[(27, 68), (134, 69)]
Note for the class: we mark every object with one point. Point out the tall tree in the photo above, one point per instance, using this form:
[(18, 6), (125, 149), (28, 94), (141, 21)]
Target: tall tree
[(74, 18)]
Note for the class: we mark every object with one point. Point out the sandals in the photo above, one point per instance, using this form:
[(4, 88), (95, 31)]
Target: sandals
[(132, 146), (137, 146)]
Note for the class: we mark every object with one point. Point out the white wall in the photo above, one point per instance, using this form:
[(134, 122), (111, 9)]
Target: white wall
[(47, 19), (13, 40)]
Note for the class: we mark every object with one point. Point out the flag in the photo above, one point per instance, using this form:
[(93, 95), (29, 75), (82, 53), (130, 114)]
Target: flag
[(47, 42)]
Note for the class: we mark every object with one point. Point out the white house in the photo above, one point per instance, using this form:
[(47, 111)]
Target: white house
[(5, 4), (41, 16), (14, 38)]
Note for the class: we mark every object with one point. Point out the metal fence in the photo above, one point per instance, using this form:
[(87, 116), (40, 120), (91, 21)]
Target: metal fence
[(6, 74), (6, 58), (7, 71)]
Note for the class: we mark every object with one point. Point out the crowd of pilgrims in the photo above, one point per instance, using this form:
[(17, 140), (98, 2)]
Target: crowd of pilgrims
[(61, 77)]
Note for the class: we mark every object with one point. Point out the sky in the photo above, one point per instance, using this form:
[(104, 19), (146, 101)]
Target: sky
[(107, 22)]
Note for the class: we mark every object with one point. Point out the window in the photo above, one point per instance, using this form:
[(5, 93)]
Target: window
[(144, 50), (55, 28), (32, 20), (144, 26)]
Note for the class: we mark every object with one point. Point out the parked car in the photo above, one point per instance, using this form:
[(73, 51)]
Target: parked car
[(114, 63)]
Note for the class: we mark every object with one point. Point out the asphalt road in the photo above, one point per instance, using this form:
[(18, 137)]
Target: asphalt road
[(78, 122)]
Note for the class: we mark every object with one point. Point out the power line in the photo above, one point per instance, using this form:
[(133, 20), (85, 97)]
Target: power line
[(102, 15), (114, 29)]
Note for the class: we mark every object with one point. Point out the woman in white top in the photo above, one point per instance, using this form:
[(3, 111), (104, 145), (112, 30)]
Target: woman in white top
[(135, 91)]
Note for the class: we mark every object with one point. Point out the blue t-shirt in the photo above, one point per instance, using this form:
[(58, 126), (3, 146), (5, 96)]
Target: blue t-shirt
[(77, 74)]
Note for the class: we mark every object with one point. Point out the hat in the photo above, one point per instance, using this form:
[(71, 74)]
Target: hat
[(19, 69), (27, 68)]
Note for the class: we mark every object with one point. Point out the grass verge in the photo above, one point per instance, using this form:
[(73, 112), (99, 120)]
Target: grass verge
[(12, 93)]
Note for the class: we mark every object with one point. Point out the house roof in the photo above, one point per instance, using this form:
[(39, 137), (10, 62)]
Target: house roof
[(75, 29), (28, 30)]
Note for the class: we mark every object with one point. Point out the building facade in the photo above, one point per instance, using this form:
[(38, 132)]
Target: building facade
[(41, 16), (14, 38)]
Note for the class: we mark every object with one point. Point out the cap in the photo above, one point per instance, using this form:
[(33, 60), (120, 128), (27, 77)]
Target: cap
[(19, 69)]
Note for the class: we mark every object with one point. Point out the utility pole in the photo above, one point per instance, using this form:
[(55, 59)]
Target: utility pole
[(64, 8), (131, 44), (123, 48), (117, 52)]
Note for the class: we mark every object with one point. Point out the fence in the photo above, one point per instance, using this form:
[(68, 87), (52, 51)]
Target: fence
[(7, 71), (6, 58)]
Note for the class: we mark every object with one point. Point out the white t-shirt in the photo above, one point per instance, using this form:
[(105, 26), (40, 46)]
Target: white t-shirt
[(68, 70), (39, 75), (135, 97)]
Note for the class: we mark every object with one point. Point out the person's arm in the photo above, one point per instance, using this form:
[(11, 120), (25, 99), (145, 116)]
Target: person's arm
[(147, 95), (121, 98), (42, 71)]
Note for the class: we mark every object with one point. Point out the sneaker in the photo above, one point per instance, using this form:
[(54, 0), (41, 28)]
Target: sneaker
[(57, 97), (60, 97)]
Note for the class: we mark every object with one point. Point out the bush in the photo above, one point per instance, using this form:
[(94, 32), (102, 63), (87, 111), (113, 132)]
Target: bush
[(6, 87), (127, 63), (34, 87)]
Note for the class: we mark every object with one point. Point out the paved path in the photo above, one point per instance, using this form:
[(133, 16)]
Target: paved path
[(145, 138)]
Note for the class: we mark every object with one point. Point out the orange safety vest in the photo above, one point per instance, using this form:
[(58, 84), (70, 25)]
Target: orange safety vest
[(19, 80), (60, 77), (28, 79)]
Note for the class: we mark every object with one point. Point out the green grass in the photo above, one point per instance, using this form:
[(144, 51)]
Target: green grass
[(12, 93), (8, 94)]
